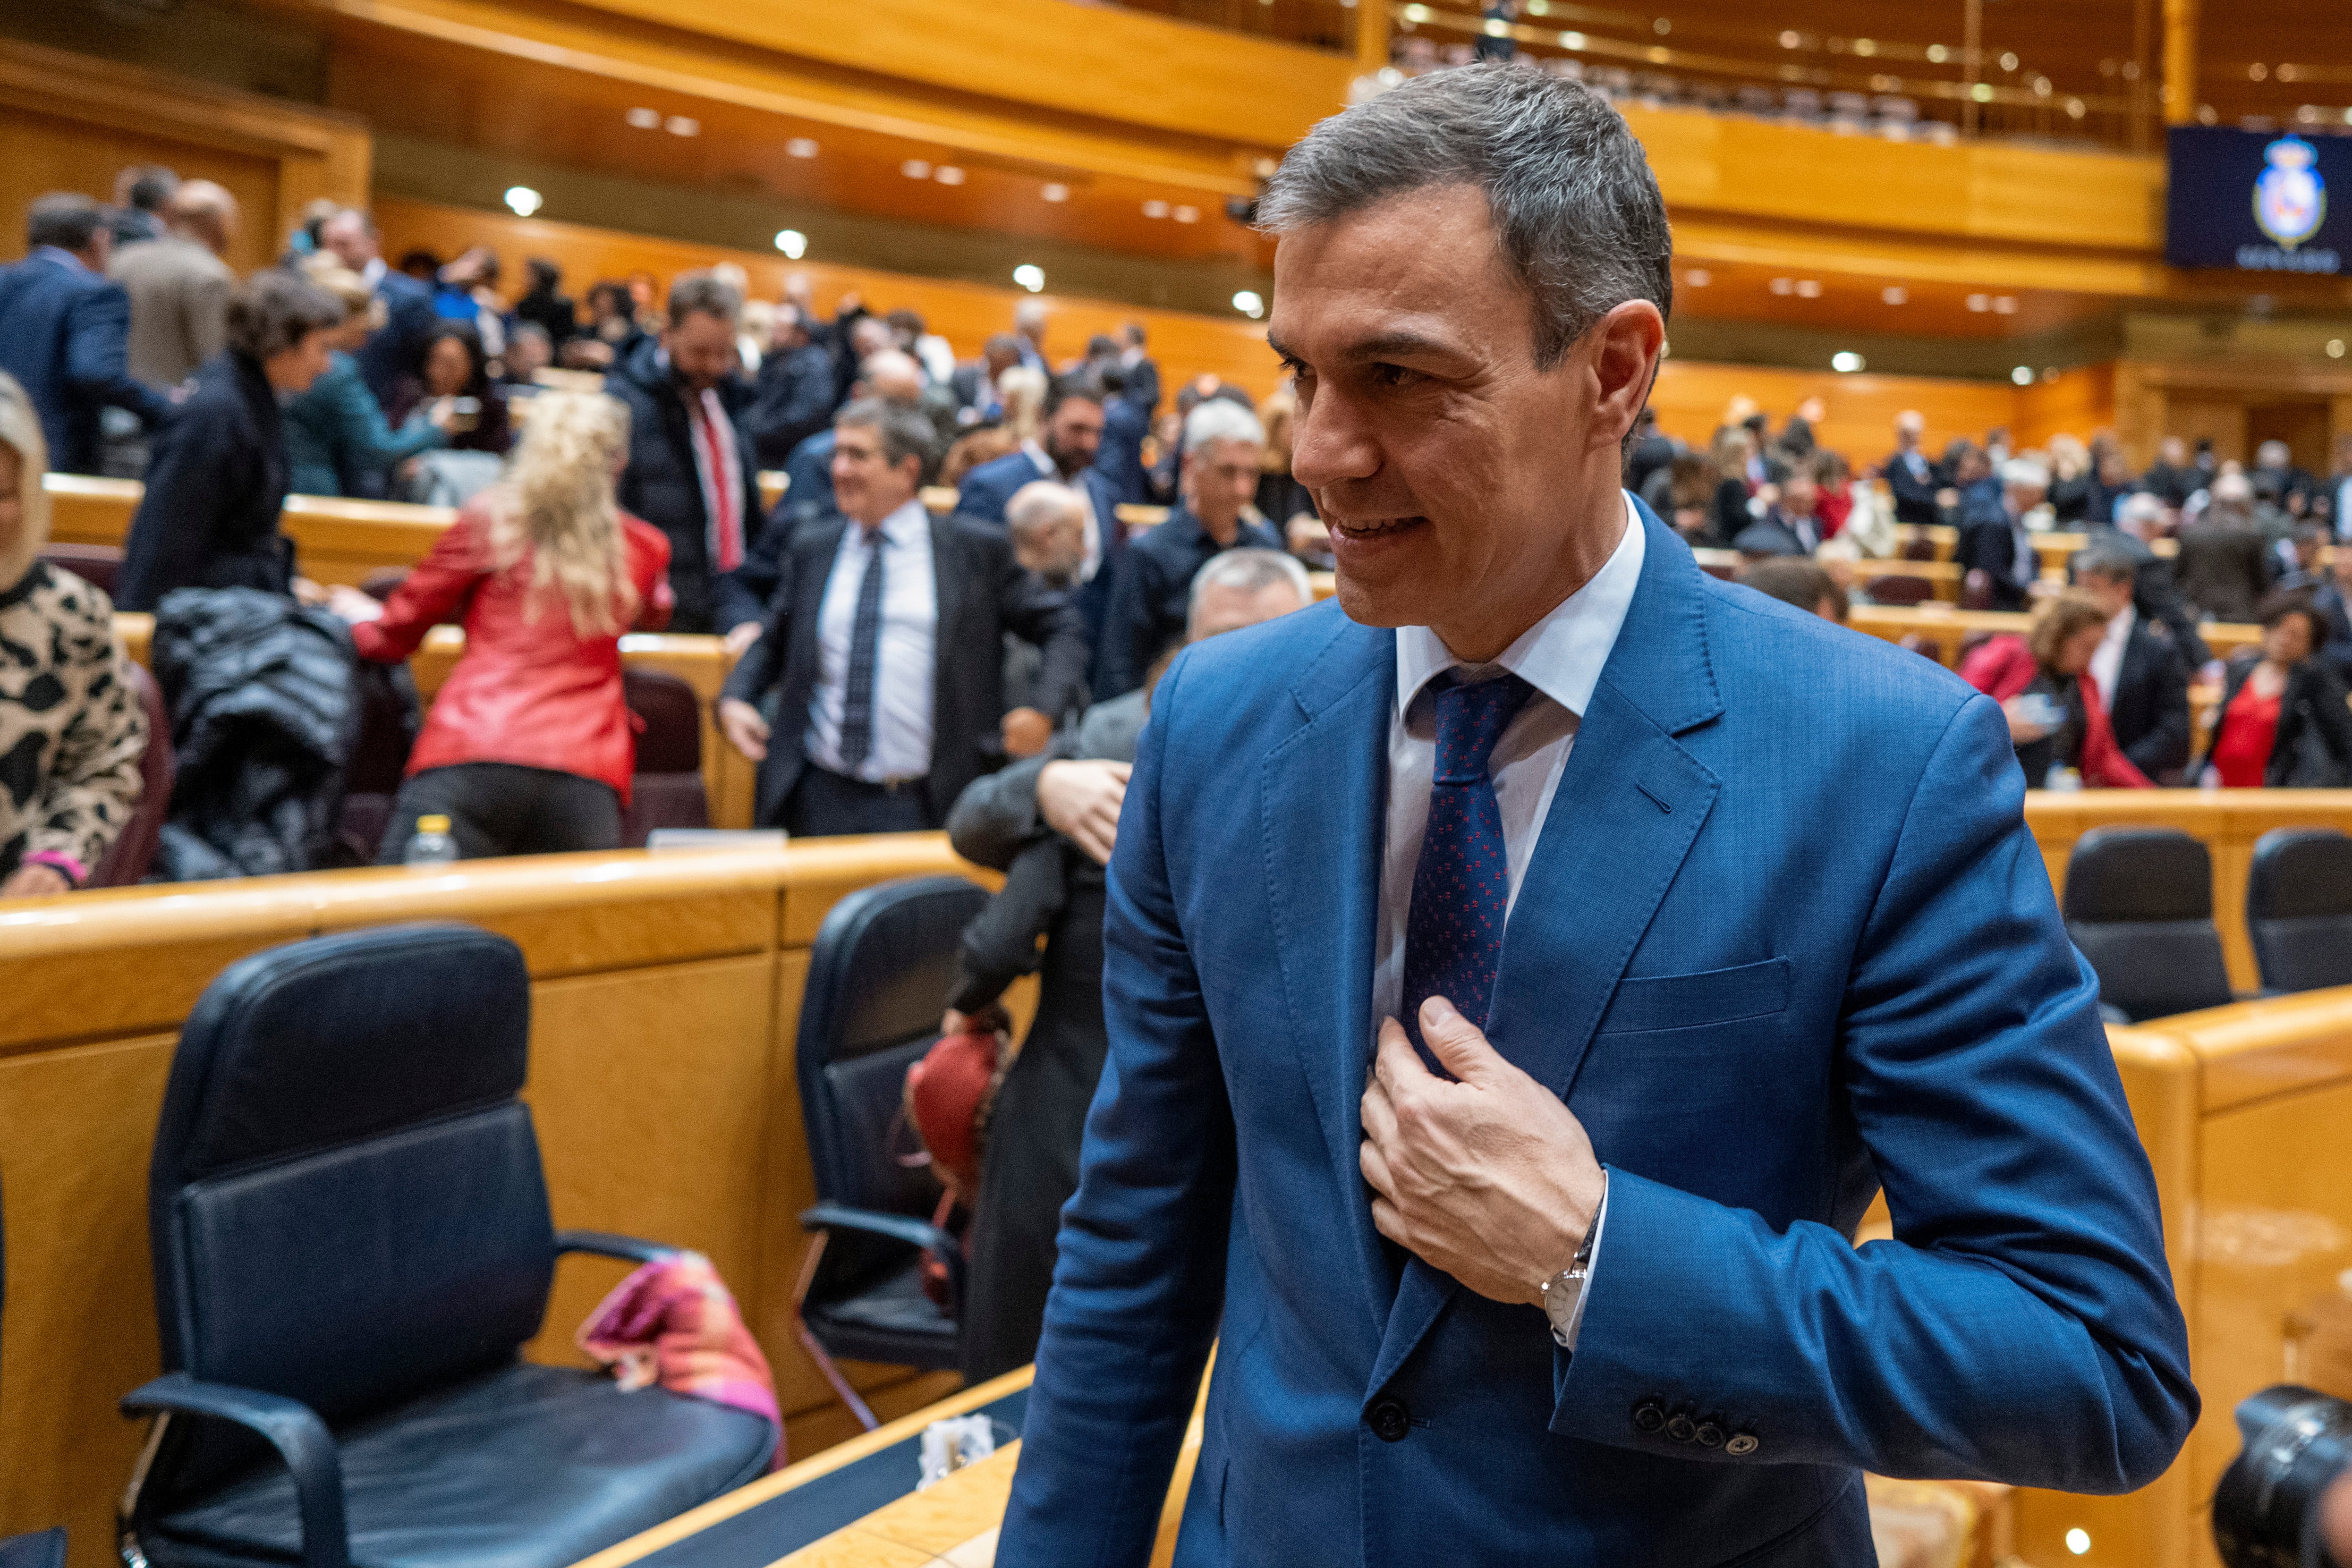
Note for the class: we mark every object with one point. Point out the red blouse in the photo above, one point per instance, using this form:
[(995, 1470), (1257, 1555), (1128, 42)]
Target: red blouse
[(2242, 752), (530, 690)]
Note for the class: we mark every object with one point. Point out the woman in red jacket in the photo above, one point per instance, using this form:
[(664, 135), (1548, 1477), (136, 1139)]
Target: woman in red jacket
[(529, 745), (2057, 715)]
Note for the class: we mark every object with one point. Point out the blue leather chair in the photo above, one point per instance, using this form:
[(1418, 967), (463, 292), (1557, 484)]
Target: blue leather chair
[(2299, 909), (2139, 903), (352, 1242), (879, 974)]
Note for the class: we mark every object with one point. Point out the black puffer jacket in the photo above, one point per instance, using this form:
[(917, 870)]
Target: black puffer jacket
[(662, 485), (263, 698)]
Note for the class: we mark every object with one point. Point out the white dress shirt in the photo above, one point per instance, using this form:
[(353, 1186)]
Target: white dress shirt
[(1560, 656), (1048, 469), (2108, 662), (903, 668)]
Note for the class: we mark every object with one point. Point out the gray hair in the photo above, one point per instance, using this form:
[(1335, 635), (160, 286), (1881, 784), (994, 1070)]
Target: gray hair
[(1575, 206), (1219, 419), (708, 293), (2110, 562), (903, 432), (2025, 473), (1037, 504), (2139, 508), (273, 311), (1248, 570)]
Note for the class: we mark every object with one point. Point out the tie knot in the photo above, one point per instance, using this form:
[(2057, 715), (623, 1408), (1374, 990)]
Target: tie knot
[(1470, 719)]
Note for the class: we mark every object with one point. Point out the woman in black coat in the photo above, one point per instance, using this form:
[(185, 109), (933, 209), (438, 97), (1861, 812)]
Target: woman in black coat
[(2311, 745), (217, 473)]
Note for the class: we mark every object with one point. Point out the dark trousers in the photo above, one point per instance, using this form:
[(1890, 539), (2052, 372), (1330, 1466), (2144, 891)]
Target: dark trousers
[(504, 808), (823, 803)]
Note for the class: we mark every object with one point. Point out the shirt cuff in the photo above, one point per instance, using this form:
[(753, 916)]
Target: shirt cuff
[(1591, 1264), (58, 861)]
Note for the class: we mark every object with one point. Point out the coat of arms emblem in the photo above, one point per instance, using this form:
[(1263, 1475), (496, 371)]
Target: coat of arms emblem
[(2290, 198)]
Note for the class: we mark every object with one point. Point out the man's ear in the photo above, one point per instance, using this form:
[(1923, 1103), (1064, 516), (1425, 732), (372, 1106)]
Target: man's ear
[(1626, 346)]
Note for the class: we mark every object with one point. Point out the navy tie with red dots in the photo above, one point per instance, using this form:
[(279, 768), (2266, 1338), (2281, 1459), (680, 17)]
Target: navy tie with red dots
[(1462, 882)]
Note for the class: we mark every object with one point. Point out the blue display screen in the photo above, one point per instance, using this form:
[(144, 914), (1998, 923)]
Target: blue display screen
[(2255, 201)]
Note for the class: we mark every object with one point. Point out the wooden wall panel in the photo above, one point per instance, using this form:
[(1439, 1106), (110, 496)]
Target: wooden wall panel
[(47, 153), (1691, 397)]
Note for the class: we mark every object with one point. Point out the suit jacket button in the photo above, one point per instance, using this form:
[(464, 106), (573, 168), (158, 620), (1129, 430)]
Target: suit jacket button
[(1681, 1428), (1710, 1435), (1647, 1416), (1389, 1420), (1741, 1445)]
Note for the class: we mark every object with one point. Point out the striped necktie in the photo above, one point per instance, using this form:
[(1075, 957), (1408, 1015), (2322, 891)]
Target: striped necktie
[(864, 655)]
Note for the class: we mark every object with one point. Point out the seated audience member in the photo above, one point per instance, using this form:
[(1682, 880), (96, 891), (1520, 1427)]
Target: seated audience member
[(2307, 544), (1055, 889), (1794, 580), (612, 336), (884, 649), (467, 291), (1649, 452), (2274, 470), (1684, 497), (453, 371), (887, 373), (2111, 481), (528, 351), (1911, 478), (2138, 672), (974, 384), (1733, 450), (179, 286), (1282, 501), (2042, 682), (71, 730), (529, 747), (2283, 721), (545, 305), (693, 471), (2224, 569), (218, 473), (2072, 480), (335, 431), (1995, 537), (65, 331), (793, 398), (1219, 476), (1793, 524)]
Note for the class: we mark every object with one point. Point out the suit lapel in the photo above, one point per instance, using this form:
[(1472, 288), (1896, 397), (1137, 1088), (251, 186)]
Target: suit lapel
[(1322, 879), (1630, 804)]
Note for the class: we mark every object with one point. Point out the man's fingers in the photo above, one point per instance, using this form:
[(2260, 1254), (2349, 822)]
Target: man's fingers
[(1395, 1065), (1377, 1114), (1375, 1167), (1456, 1042)]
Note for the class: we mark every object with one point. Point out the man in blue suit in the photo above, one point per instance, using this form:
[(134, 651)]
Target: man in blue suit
[(1065, 451), (65, 331), (1505, 1042), (396, 349)]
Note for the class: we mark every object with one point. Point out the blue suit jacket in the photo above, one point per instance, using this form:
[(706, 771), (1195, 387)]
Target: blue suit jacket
[(1760, 1010), (396, 348), (65, 336)]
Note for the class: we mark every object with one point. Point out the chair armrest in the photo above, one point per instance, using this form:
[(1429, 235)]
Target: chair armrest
[(291, 1428), (604, 1244), (42, 1549), (920, 1233)]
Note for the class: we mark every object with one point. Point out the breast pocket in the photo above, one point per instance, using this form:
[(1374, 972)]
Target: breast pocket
[(1655, 1002)]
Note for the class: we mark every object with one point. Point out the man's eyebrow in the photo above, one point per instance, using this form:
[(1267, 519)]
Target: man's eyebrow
[(1382, 346)]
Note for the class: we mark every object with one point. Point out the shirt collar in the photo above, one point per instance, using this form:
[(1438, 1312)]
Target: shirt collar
[(372, 273), (1046, 467), (1562, 654), (901, 527), (62, 257)]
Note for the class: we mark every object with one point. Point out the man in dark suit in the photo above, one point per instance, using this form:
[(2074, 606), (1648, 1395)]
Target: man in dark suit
[(2139, 669), (1068, 449), (792, 399), (2225, 566), (2333, 598), (692, 472), (1141, 385), (974, 381), (1911, 476), (1994, 539), (396, 348), (890, 374), (65, 331), (1535, 801), (884, 649)]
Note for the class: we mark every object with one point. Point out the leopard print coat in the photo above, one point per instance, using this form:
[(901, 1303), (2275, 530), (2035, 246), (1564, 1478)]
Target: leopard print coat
[(71, 730)]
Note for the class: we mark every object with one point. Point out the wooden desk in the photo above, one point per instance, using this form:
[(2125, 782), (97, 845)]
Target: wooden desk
[(666, 994), (1946, 627), (335, 540)]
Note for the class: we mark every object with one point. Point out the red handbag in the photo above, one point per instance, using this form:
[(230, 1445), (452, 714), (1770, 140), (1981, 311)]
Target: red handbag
[(949, 1097)]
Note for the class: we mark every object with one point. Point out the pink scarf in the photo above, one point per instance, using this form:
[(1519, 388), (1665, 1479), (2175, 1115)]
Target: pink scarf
[(673, 1321)]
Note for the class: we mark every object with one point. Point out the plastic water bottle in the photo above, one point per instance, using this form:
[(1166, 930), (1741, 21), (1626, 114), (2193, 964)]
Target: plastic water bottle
[(432, 844)]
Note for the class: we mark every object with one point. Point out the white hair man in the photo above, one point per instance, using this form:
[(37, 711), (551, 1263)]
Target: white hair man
[(1224, 445), (179, 285)]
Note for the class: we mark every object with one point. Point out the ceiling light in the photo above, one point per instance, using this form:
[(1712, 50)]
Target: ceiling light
[(1938, 54), (1699, 278), (1979, 303), (643, 119), (1537, 7), (1249, 304), (1032, 278), (1895, 294), (1981, 92), (1661, 26), (1416, 13), (1185, 215), (2077, 108), (1808, 288), (2334, 347), (2023, 375), (948, 175), (1155, 209), (793, 242), (2004, 305), (2078, 1541), (682, 125), (1783, 286), (522, 199), (1056, 192), (800, 147), (1846, 364), (1865, 46), (2008, 61), (2259, 72), (915, 169), (1789, 38), (1496, 28), (1572, 40)]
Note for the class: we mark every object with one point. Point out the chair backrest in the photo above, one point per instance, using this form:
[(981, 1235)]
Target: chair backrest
[(879, 979), (2139, 903), (98, 565), (1896, 590), (2299, 909), (667, 791), (133, 850), (345, 1200)]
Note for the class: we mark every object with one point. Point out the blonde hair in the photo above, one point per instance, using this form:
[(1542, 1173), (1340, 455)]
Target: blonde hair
[(556, 508), (20, 429), (349, 286), (1022, 391)]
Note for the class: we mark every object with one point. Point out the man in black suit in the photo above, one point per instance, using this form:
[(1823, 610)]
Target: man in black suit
[(793, 395), (1909, 474), (2138, 669), (1993, 536), (396, 348), (885, 646), (2225, 566)]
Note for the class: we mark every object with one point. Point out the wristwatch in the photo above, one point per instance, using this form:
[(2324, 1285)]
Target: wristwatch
[(1564, 1292)]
